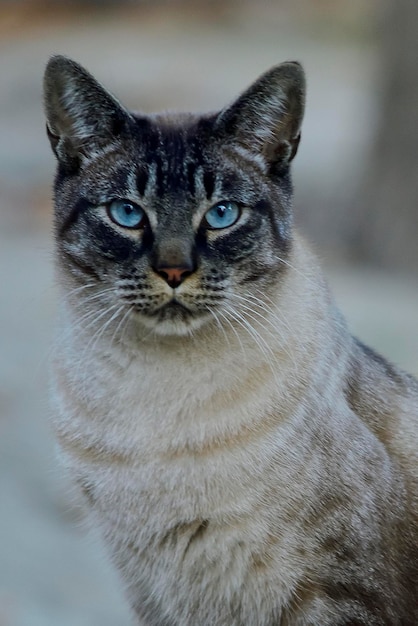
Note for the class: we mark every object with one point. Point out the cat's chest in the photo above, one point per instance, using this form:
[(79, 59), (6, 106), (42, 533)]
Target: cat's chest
[(187, 451), (151, 408), (167, 518), (178, 463)]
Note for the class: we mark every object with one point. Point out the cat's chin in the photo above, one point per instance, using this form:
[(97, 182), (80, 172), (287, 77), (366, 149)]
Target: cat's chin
[(170, 328), (177, 323), (174, 328)]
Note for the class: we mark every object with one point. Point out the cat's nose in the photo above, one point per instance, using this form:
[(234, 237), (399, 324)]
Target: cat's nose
[(174, 276)]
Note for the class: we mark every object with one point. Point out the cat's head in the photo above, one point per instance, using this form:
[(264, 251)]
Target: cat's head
[(172, 219)]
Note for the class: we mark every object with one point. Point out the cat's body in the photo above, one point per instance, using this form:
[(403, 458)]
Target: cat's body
[(252, 466)]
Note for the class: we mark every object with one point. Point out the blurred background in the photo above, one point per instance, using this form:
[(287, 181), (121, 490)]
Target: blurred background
[(356, 178)]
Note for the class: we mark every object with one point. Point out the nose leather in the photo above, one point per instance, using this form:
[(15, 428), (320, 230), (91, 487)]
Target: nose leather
[(174, 276), (173, 260)]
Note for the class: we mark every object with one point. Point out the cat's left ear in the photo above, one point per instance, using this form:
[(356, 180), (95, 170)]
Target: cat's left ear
[(266, 119), (82, 116)]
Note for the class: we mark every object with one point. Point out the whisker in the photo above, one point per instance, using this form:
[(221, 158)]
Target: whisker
[(256, 333), (91, 316), (309, 280), (68, 330), (259, 341), (100, 332), (95, 296), (275, 332), (95, 320), (251, 296), (263, 311), (84, 360), (228, 321), (277, 313), (244, 304), (78, 289), (218, 323), (123, 318)]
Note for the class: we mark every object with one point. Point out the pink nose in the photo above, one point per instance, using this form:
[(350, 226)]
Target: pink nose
[(174, 276)]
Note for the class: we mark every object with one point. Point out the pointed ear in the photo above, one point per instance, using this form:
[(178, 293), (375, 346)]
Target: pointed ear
[(266, 119), (82, 117)]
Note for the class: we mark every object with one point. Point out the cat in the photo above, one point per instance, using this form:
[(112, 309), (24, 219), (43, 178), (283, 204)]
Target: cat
[(248, 461)]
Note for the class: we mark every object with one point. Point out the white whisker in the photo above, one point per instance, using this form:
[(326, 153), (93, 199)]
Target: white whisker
[(123, 318), (234, 330), (96, 337), (269, 356), (95, 296), (275, 331), (91, 345), (295, 269), (79, 289)]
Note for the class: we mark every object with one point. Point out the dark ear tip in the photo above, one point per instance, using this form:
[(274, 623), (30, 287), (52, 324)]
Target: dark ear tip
[(58, 62), (59, 65), (294, 63), (292, 71)]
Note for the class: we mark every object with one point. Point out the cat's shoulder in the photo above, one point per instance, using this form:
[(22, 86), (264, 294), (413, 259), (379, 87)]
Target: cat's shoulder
[(386, 399)]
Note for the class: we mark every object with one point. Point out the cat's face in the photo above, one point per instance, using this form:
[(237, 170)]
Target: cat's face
[(172, 220)]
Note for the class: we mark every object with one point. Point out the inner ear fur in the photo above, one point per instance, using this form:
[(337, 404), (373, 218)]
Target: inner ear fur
[(267, 117), (82, 116)]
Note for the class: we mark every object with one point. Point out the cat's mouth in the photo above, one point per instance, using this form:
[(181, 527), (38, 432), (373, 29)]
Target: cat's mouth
[(174, 318)]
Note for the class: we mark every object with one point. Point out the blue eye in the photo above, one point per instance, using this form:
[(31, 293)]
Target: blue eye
[(222, 215), (126, 214)]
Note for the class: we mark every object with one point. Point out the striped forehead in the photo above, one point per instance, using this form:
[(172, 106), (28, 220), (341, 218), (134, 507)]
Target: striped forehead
[(173, 163)]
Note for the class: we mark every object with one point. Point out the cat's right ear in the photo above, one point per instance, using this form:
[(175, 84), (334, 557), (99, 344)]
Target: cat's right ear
[(82, 117)]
